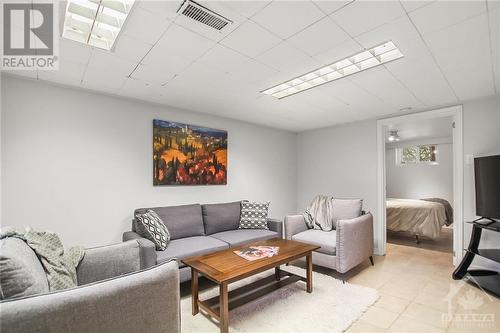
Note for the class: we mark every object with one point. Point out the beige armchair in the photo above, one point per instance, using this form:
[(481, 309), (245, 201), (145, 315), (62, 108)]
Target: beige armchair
[(343, 248)]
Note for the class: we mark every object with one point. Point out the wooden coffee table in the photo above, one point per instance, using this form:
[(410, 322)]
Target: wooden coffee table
[(224, 267)]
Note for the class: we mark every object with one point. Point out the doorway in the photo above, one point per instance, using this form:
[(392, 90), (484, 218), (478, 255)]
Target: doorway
[(391, 128)]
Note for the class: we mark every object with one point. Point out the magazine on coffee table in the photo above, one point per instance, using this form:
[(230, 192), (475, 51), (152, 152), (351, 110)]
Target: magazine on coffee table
[(252, 253)]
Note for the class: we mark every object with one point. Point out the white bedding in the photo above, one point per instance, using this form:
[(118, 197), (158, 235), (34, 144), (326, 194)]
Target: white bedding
[(420, 217)]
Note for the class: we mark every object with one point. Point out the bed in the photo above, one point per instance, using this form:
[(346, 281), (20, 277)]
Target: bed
[(423, 217)]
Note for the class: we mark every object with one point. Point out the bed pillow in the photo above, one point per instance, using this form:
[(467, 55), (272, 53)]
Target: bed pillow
[(254, 215), (346, 209), (150, 226)]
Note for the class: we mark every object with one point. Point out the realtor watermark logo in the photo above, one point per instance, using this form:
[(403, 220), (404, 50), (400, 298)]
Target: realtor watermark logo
[(30, 36), (468, 308)]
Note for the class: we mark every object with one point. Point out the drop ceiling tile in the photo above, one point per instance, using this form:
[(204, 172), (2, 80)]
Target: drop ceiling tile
[(131, 48), (338, 52), (145, 26), (107, 62), (203, 79), (101, 80), (154, 74), (165, 64), (223, 58), (423, 78), (378, 81), (178, 42), (441, 14), (328, 6), (282, 57), (164, 9), (471, 83), (74, 51), (69, 72), (252, 71), (319, 37), (362, 16), (285, 18), (250, 39), (138, 89), (316, 98), (398, 30), (246, 8), (411, 5), (463, 53), (462, 45)]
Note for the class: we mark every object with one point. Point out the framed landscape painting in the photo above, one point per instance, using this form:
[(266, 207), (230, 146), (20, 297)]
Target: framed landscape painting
[(188, 155)]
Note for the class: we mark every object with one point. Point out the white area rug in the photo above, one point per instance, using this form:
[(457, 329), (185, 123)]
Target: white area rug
[(331, 307)]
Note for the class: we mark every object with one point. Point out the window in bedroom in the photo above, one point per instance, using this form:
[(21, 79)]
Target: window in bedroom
[(423, 154)]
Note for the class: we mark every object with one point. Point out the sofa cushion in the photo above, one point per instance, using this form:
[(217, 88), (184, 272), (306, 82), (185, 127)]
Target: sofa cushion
[(150, 226), (326, 239), (21, 272), (254, 215), (221, 217), (181, 221), (189, 247), (346, 209), (242, 236)]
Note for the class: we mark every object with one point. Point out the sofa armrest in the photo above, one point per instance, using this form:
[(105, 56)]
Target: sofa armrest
[(354, 241), (148, 248), (275, 225), (143, 301), (293, 225), (109, 261)]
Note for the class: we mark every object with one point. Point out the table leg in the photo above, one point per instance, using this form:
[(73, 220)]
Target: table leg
[(309, 272), (223, 308), (194, 291), (277, 273)]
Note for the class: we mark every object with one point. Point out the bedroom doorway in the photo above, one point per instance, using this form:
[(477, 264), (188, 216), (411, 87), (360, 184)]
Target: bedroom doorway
[(420, 181)]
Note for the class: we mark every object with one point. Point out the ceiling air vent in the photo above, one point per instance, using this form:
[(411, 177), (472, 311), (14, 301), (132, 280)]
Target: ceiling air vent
[(203, 15)]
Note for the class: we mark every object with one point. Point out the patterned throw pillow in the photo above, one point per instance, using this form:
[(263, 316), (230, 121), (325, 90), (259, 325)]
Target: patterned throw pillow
[(254, 215), (150, 226)]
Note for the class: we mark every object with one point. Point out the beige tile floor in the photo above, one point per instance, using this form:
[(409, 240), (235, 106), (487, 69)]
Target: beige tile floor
[(413, 284)]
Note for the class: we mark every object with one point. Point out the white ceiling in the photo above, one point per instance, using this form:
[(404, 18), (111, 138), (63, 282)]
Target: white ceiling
[(423, 129), (452, 54)]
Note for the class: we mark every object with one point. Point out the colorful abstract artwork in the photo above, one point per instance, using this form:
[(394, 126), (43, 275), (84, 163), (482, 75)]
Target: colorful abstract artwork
[(188, 155)]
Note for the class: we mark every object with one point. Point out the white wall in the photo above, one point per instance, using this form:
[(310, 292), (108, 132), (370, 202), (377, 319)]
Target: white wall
[(338, 161), (78, 163), (417, 181), (481, 138), (342, 160)]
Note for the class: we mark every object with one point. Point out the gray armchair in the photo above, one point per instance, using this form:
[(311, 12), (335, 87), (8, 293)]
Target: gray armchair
[(114, 295), (341, 249)]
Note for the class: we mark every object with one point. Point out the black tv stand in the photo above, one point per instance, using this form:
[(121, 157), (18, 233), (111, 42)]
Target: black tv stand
[(487, 279)]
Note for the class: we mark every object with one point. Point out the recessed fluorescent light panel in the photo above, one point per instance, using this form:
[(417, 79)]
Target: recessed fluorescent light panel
[(356, 63), (96, 22)]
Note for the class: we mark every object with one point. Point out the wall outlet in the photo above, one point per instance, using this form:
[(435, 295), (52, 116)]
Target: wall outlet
[(469, 159)]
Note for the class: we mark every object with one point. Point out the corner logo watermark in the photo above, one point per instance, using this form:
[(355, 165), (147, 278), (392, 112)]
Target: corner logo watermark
[(470, 312), (30, 36)]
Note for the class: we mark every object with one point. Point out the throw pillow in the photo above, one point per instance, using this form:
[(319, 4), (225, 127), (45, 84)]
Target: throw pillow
[(254, 215), (21, 272), (346, 209), (150, 226)]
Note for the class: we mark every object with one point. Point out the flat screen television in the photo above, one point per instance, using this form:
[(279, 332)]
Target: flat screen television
[(487, 174)]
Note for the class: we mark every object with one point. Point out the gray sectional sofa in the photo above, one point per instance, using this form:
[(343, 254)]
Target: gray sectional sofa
[(199, 229), (116, 292)]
